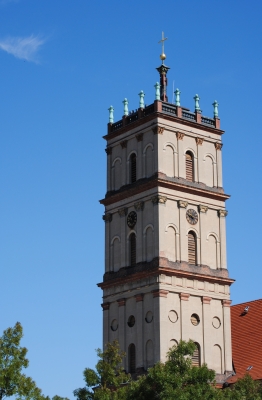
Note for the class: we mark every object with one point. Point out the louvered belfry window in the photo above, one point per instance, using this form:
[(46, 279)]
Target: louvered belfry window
[(132, 358), (196, 356), (132, 240), (189, 167), (133, 168), (192, 256)]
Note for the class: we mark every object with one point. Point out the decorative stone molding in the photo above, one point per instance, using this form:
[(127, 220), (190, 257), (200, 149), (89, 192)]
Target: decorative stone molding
[(139, 137), (121, 302), (123, 211), (184, 296), (206, 300), (180, 135), (182, 204), (199, 141), (222, 213), (160, 293), (158, 130), (123, 144), (105, 306), (202, 208), (139, 206), (108, 150), (107, 217), (158, 199), (226, 303), (139, 297), (218, 146)]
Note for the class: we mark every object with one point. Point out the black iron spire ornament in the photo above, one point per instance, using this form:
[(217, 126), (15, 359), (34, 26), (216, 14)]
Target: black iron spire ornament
[(163, 69)]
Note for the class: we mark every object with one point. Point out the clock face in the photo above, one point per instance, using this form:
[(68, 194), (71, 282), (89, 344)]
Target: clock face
[(131, 219), (192, 216)]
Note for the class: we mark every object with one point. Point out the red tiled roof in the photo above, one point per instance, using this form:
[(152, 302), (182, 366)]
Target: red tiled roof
[(247, 339)]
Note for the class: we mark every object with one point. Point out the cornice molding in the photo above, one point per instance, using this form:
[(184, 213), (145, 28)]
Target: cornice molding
[(161, 181), (161, 265)]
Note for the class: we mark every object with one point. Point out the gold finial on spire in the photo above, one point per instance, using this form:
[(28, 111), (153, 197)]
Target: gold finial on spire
[(162, 56)]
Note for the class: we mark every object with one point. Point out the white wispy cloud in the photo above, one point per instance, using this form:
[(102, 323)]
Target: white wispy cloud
[(25, 48)]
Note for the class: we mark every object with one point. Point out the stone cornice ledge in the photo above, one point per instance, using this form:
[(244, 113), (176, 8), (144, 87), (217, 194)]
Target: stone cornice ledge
[(161, 180), (161, 265)]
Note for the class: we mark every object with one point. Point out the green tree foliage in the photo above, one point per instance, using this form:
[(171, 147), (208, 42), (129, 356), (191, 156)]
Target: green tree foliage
[(244, 389), (109, 377), (12, 361), (175, 379)]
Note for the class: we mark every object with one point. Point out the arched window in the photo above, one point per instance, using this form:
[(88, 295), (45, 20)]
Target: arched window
[(132, 240), (196, 356), (132, 358), (189, 166), (132, 168), (192, 248)]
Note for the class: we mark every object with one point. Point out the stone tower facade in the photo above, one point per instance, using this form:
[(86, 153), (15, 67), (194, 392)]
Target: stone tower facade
[(166, 274)]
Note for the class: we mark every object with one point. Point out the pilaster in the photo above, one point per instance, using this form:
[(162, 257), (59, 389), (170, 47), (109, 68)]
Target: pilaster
[(106, 322), (122, 327), (222, 233), (182, 205), (123, 212), (125, 163), (180, 156), (108, 151), (139, 331), (139, 207), (184, 316), (218, 147), (139, 138), (227, 335), (206, 323), (107, 217)]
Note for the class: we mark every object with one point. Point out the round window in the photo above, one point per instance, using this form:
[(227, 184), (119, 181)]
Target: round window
[(172, 315), (131, 321), (195, 319), (216, 322), (114, 325), (149, 317)]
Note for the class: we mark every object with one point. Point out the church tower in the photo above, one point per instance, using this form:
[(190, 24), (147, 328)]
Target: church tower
[(166, 276)]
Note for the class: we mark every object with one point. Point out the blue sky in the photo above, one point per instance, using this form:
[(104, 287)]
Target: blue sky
[(63, 63)]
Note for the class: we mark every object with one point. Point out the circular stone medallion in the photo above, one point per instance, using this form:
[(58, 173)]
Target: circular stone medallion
[(149, 317), (114, 325), (216, 322), (172, 316)]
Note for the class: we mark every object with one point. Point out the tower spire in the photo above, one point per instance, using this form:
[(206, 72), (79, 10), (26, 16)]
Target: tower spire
[(163, 69)]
